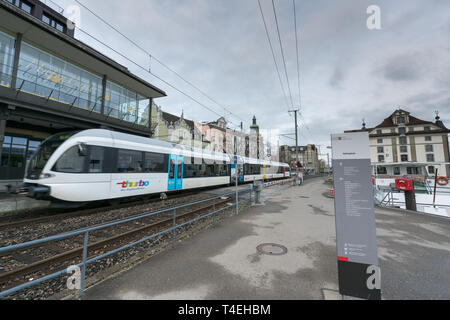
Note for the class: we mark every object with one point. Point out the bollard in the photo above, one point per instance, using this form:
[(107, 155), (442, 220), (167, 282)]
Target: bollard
[(410, 200), (258, 189)]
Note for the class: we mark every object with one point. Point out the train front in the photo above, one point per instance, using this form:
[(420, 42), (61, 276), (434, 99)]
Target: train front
[(37, 171)]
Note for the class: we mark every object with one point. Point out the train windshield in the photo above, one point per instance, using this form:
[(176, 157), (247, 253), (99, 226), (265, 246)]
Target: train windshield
[(43, 154)]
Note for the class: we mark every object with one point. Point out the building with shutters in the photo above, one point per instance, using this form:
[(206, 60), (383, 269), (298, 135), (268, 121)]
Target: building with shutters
[(402, 138)]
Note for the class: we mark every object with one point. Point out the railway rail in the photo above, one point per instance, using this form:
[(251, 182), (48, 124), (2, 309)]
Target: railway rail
[(104, 239), (48, 214)]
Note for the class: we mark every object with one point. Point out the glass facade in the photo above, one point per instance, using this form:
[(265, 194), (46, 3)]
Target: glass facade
[(6, 59), (45, 75), (126, 105), (16, 152)]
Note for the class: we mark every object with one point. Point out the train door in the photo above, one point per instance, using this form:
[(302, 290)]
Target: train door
[(175, 172)]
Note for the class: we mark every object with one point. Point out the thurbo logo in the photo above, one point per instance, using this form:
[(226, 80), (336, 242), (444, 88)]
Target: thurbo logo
[(128, 184)]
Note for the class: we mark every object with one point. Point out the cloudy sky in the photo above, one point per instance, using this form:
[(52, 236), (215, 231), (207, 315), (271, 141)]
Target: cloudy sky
[(347, 71)]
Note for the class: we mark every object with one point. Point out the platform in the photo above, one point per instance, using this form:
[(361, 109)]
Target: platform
[(224, 263), (12, 202)]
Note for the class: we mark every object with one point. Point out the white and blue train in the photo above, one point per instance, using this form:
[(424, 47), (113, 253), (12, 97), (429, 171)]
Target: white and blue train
[(96, 165)]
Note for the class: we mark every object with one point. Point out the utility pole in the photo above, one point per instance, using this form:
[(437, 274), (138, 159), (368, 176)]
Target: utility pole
[(296, 143)]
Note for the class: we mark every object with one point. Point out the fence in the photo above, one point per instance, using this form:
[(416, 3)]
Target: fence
[(86, 232)]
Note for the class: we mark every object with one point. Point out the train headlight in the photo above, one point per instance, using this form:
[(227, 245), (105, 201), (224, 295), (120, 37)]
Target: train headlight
[(46, 175)]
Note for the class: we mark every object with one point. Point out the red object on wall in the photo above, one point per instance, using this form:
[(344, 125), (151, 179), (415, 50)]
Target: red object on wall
[(404, 184), (373, 181)]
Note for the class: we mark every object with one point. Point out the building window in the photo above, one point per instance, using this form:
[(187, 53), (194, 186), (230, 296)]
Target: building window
[(402, 130), (380, 149), (413, 170), (427, 128), (430, 157), (46, 19), (25, 6), (403, 140), (6, 59), (429, 148), (380, 158), (404, 158), (59, 27), (431, 170), (428, 138), (53, 23), (380, 140), (43, 74), (381, 170), (379, 131), (401, 120), (403, 149), (122, 103), (396, 171)]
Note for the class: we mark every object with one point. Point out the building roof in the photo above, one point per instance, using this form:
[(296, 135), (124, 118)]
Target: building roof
[(389, 123), (173, 119)]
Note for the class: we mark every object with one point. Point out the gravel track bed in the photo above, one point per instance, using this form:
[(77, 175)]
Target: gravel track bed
[(18, 259), (95, 272), (46, 229)]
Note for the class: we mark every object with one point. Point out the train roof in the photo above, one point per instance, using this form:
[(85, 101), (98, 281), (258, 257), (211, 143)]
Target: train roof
[(125, 140)]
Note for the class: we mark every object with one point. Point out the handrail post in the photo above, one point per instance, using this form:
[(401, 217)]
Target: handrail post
[(83, 269), (174, 225), (214, 211), (237, 199)]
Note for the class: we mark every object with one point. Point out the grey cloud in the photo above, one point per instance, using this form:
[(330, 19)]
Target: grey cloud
[(405, 67), (347, 71), (337, 78)]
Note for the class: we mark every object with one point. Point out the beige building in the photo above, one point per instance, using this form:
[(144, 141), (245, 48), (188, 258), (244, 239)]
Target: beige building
[(402, 138), (170, 128), (214, 136), (307, 155)]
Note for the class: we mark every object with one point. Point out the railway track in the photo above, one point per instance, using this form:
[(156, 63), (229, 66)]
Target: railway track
[(51, 215), (99, 243)]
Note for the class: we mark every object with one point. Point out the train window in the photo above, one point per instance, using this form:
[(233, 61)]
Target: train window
[(172, 169), (96, 159), (246, 169), (180, 169), (155, 162), (129, 161), (70, 162)]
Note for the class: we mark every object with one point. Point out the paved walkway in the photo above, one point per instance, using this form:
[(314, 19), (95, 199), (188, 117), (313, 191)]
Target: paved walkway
[(223, 262)]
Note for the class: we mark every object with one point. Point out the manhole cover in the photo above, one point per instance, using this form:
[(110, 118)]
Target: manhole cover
[(272, 249)]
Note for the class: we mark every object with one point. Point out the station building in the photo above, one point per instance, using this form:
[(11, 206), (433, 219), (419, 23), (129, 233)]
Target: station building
[(51, 82)]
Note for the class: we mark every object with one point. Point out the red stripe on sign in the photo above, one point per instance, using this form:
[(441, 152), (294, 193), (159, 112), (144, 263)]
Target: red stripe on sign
[(343, 259)]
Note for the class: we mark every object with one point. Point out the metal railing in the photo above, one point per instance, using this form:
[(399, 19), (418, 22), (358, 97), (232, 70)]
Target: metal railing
[(390, 201), (86, 232)]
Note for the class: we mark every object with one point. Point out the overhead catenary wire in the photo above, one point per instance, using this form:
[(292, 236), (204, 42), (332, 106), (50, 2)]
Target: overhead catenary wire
[(282, 52), (273, 54), (298, 55), (148, 71), (152, 57)]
